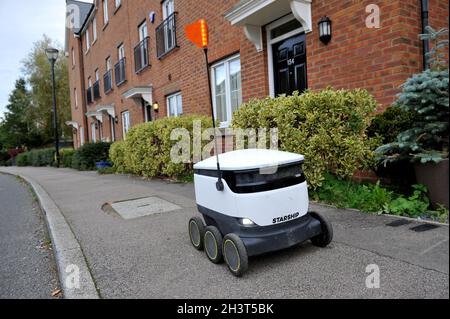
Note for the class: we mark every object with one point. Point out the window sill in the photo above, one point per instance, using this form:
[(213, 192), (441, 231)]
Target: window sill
[(105, 26), (162, 56), (121, 83), (142, 69), (94, 42)]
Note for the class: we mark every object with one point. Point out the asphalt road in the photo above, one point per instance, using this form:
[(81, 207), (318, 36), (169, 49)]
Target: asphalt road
[(27, 267), (151, 257)]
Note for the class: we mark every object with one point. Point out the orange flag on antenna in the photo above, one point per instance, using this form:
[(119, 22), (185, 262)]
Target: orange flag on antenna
[(197, 33)]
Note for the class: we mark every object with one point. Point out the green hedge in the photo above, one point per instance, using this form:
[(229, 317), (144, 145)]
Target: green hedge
[(86, 156), (37, 158), (66, 157), (389, 124), (328, 127), (4, 157), (146, 149)]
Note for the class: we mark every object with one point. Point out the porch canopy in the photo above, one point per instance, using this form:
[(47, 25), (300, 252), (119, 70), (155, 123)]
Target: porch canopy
[(97, 115), (144, 92), (253, 14), (73, 124), (108, 109)]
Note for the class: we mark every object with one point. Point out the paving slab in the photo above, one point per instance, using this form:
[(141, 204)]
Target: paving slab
[(151, 256)]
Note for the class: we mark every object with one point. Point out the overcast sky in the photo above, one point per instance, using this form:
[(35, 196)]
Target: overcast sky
[(23, 22)]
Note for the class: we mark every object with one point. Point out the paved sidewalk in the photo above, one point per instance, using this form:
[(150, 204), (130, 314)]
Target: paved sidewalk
[(27, 267), (151, 257)]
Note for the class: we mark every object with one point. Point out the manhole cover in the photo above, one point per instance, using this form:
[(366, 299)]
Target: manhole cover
[(424, 227), (143, 207), (398, 223)]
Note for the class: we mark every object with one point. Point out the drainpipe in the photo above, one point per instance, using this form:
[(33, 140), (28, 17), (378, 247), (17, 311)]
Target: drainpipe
[(83, 89), (426, 43)]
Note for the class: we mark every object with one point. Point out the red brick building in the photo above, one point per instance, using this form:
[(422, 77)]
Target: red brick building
[(127, 56)]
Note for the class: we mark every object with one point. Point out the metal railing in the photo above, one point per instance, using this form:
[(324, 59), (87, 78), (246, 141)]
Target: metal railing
[(119, 72), (107, 82), (96, 90), (166, 36), (89, 96), (141, 60)]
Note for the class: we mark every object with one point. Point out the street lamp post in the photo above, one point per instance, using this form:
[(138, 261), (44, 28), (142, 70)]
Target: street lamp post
[(52, 55)]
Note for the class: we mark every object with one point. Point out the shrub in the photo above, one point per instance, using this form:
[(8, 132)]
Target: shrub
[(36, 158), (328, 127), (23, 159), (86, 156), (414, 206), (117, 155), (4, 157), (66, 157), (147, 148), (426, 140), (390, 123)]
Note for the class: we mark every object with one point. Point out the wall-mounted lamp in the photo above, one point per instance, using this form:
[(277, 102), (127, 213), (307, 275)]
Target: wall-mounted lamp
[(156, 107), (116, 119), (325, 30)]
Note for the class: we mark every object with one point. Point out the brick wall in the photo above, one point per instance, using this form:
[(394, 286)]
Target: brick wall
[(376, 59)]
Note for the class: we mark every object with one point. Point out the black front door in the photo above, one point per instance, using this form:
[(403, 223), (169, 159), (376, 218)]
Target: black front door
[(289, 61)]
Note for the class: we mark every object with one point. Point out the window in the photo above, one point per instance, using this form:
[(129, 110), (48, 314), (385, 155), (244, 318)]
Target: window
[(119, 68), (125, 123), (141, 50), (166, 39), (89, 82), (226, 89), (94, 29), (73, 57), (174, 105), (168, 8), (96, 86), (107, 78), (118, 3), (113, 129), (121, 51), (81, 136), (88, 41), (89, 96), (93, 133), (105, 12), (75, 97)]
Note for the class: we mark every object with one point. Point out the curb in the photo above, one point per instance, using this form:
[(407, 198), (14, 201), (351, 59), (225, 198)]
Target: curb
[(69, 256)]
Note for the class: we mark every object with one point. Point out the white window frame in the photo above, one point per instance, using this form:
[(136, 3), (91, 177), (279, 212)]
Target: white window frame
[(143, 31), (271, 42), (88, 40), (118, 3), (73, 57), (225, 62), (126, 123), (168, 8), (94, 29), (93, 133), (105, 12), (89, 82), (108, 64), (97, 75), (174, 96), (121, 51), (82, 136), (112, 123)]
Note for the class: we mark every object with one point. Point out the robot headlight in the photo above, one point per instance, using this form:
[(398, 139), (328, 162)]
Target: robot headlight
[(246, 222)]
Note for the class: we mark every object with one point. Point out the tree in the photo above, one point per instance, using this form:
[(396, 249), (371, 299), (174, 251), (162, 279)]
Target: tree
[(426, 94), (18, 129), (38, 72)]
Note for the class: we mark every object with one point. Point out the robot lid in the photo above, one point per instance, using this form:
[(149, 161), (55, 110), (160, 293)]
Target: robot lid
[(249, 159)]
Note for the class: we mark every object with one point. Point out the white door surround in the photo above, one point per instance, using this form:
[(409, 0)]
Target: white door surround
[(271, 41), (253, 14)]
